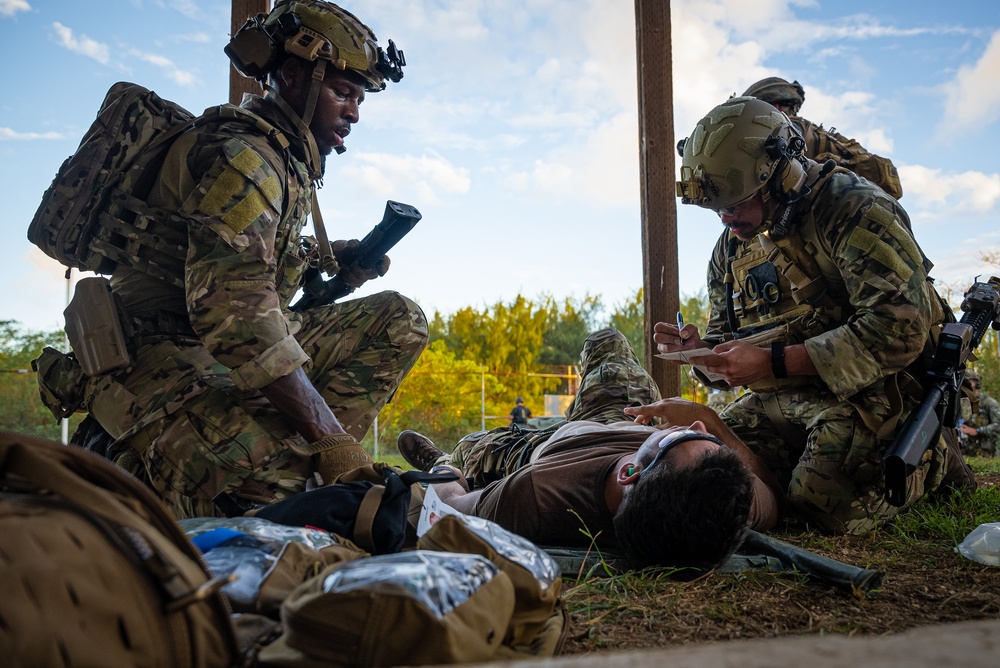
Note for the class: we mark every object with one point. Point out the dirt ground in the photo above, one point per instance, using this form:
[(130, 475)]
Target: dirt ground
[(926, 582)]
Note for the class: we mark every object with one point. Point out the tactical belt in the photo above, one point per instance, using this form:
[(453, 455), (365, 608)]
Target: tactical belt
[(163, 324)]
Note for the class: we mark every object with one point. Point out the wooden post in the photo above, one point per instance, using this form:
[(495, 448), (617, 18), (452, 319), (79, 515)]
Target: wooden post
[(656, 175), (242, 10)]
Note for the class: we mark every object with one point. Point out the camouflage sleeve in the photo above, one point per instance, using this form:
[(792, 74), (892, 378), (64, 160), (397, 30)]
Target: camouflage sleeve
[(718, 326), (884, 277), (991, 411), (234, 213)]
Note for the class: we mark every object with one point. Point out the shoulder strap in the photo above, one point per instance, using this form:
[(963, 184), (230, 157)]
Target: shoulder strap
[(364, 522)]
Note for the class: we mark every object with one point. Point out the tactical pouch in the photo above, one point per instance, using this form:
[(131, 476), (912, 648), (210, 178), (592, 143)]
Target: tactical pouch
[(61, 382), (94, 328), (536, 576), (95, 571), (413, 608)]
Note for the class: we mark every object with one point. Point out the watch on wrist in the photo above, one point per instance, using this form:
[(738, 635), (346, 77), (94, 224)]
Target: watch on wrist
[(778, 360)]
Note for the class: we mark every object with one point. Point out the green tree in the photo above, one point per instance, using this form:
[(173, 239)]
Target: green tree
[(21, 409), (441, 397), (629, 319), (506, 339), (569, 325)]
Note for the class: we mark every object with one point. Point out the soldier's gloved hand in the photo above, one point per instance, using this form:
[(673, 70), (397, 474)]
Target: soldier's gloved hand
[(345, 251)]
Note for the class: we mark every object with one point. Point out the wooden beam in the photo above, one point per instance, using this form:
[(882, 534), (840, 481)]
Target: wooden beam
[(242, 10), (656, 175)]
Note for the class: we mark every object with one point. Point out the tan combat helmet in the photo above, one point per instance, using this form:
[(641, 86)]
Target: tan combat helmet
[(319, 32), (776, 90), (735, 150)]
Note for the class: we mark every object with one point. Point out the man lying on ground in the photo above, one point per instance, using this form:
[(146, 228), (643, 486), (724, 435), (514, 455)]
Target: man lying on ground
[(681, 494)]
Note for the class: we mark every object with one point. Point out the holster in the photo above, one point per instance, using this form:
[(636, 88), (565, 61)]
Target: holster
[(94, 328)]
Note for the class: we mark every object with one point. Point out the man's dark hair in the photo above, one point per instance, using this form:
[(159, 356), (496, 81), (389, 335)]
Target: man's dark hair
[(690, 517)]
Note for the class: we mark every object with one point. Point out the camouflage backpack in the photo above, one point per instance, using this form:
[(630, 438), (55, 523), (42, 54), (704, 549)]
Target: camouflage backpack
[(823, 144), (94, 214)]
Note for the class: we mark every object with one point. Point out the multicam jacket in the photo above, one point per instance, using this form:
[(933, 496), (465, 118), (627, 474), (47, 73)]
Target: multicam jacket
[(243, 199), (849, 281)]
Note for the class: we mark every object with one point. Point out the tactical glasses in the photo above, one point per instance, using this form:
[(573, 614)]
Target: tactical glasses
[(676, 438)]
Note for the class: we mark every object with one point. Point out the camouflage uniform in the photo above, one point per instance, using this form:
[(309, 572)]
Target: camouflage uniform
[(189, 416), (987, 423), (870, 308), (612, 379)]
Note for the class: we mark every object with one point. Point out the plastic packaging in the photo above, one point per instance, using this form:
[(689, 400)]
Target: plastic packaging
[(441, 581), (317, 539), (247, 547), (518, 549), (982, 544)]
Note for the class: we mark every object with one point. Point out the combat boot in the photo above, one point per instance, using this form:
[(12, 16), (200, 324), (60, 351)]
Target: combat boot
[(418, 450)]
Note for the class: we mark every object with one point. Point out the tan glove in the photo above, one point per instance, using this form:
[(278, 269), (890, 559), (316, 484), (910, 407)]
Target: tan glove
[(335, 455), (352, 273)]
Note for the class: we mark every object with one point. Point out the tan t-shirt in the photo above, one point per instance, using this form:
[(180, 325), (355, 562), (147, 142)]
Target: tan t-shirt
[(552, 499), (562, 492)]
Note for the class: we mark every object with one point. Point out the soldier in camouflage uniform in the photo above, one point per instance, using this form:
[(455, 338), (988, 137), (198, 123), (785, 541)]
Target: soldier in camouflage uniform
[(823, 144), (821, 305), (981, 427), (233, 399)]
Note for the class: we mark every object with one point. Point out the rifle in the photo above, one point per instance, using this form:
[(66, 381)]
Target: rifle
[(396, 222), (981, 308)]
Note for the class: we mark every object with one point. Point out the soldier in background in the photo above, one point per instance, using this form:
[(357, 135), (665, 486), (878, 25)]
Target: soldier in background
[(823, 144), (981, 428)]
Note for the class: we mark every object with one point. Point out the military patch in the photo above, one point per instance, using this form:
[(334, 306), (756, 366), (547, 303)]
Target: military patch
[(870, 244), (244, 191)]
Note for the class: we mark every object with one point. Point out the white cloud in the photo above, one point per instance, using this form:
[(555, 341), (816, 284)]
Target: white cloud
[(82, 44), (170, 69), (972, 98), (422, 179), (11, 7), (7, 134), (940, 194), (600, 169)]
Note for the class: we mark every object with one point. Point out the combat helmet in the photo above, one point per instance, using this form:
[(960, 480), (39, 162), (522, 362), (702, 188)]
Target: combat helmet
[(737, 149), (776, 90), (316, 31)]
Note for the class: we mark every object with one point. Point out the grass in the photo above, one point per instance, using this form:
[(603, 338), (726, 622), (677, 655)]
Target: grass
[(926, 582)]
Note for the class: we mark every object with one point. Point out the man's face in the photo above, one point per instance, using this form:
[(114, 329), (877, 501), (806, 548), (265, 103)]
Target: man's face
[(680, 456), (745, 218), (340, 95)]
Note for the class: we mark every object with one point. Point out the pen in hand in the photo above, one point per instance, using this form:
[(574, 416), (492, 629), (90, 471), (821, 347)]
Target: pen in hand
[(680, 326)]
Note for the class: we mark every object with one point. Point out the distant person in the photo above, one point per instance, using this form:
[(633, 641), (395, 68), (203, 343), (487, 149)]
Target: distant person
[(678, 495), (519, 414), (982, 427), (823, 144)]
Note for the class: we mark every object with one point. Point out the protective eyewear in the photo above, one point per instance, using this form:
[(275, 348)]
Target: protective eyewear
[(675, 438)]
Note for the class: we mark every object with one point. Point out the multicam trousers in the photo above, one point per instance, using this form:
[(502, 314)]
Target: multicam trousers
[(184, 427), (612, 379), (824, 455)]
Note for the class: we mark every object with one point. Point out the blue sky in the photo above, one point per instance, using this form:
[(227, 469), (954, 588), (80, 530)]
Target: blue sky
[(514, 129)]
